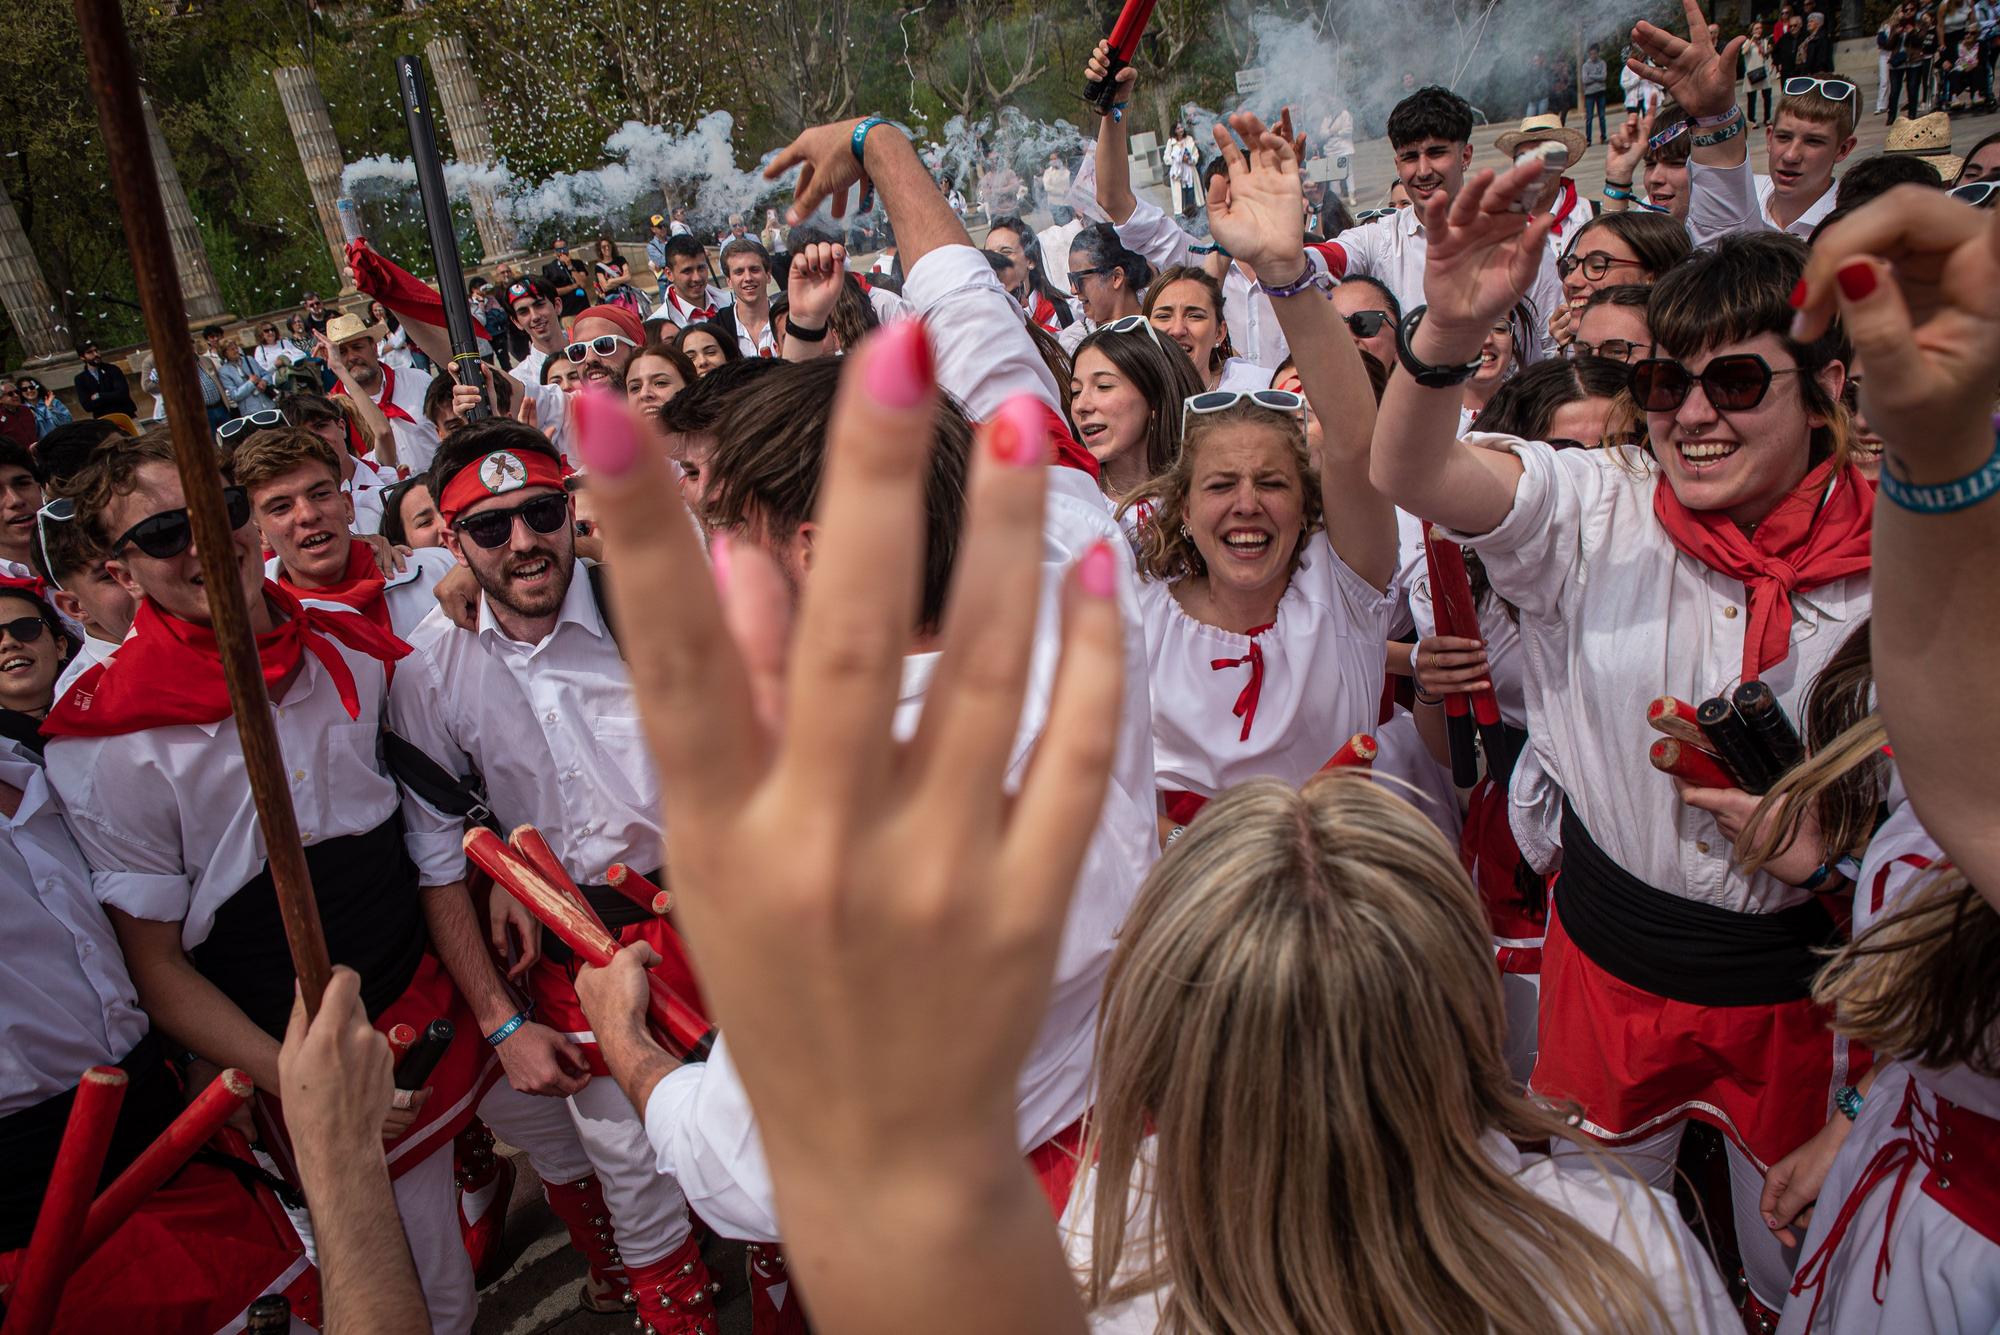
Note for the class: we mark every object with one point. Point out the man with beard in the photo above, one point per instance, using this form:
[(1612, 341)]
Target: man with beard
[(536, 700), (400, 396), (746, 265), (687, 297), (602, 340)]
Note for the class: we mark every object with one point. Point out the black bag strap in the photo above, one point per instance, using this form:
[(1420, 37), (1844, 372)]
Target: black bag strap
[(602, 593), (464, 797)]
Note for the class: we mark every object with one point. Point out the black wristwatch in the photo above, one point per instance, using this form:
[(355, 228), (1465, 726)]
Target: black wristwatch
[(805, 333), (1430, 377)]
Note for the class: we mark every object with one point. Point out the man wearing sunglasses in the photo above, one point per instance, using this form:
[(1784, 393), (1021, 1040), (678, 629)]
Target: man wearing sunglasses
[(536, 701), (602, 340), (145, 754), (1812, 132)]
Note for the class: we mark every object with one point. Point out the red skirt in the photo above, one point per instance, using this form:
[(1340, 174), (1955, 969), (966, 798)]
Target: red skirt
[(197, 1252), (1493, 860), (1637, 1063), (1056, 1162), (461, 1079), (553, 985)]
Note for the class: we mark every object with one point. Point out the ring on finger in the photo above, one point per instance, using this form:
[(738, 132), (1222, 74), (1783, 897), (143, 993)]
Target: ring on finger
[(402, 1099)]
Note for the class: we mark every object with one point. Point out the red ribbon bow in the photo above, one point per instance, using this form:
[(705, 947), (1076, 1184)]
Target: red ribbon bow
[(1246, 700)]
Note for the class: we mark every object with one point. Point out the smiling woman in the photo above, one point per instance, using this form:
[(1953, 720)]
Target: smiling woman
[(34, 647)]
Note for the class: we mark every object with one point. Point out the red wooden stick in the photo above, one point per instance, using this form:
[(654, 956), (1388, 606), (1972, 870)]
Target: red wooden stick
[(1675, 718), (1451, 591), (194, 1128), (1357, 751), (1455, 703), (532, 847), (637, 888), (681, 1027), (1690, 764), (52, 1250)]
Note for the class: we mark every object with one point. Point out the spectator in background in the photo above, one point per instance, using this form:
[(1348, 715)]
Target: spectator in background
[(570, 278), (270, 352), (1055, 183), (50, 412), (1594, 73), (1754, 67), (17, 419), (100, 386), (1816, 53), (316, 314), (656, 256), (614, 277), (1886, 39), (1562, 90), (243, 388), (1538, 86), (679, 226), (773, 235)]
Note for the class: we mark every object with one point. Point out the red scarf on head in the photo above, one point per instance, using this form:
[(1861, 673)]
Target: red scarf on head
[(1814, 536), (360, 585), (169, 671)]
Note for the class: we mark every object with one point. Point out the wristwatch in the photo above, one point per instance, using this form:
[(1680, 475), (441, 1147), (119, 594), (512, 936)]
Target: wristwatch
[(1430, 377)]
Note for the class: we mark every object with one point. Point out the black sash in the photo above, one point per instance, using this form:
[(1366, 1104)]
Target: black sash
[(613, 909), (1678, 948), (370, 907), (28, 1138)]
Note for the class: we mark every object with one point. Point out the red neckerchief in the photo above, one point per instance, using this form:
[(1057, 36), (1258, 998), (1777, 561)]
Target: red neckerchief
[(1068, 453), (1246, 701), (169, 671), (1562, 211), (1044, 313), (360, 586), (1814, 536), (692, 312), (387, 403)]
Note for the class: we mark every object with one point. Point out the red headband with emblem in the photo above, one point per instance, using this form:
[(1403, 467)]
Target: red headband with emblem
[(496, 474)]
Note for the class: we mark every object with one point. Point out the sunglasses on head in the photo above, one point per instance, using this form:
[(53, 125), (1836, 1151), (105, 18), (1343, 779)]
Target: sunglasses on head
[(604, 345), (168, 533), (1833, 90), (1134, 324), (492, 528), (1732, 383), (257, 421), (58, 511), (1367, 324), (1979, 194), (25, 630), (1215, 400), (1370, 215)]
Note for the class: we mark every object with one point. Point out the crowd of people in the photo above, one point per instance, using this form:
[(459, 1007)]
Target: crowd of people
[(1250, 782)]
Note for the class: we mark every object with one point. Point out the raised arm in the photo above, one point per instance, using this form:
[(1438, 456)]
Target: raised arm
[(1722, 190), (828, 165), (818, 272), (1114, 142), (1262, 221), (1482, 258), (374, 422), (1915, 276)]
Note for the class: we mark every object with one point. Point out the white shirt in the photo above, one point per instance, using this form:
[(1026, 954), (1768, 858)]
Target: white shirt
[(1253, 323), (1613, 616), (1722, 200), (270, 356), (407, 592), (92, 652), (1321, 683), (1242, 373), (66, 1001), (551, 727), (365, 490), (551, 409), (676, 311), (1392, 250), (888, 306), (416, 439), (165, 816), (1643, 1224), (1054, 241), (763, 343)]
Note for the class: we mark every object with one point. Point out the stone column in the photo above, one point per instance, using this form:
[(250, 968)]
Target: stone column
[(472, 144), (198, 289), (26, 297), (319, 152)]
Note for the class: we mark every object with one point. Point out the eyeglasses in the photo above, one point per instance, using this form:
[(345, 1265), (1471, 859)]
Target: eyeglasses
[(1732, 383), (1979, 194), (1834, 90), (492, 528), (1367, 324), (1077, 275), (25, 630), (1215, 400), (603, 345), (1612, 349), (257, 421), (167, 534), (1594, 265), (1370, 215)]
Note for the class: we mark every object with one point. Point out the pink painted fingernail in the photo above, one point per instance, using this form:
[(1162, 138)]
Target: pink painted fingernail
[(1097, 572), (899, 372), (1020, 434), (718, 560), (604, 436)]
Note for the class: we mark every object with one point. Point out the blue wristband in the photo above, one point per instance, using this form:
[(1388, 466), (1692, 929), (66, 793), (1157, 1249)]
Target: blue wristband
[(1848, 1099), (1945, 497), (501, 1035), (860, 139)]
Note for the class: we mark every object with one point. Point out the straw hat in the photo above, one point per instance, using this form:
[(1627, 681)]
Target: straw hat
[(341, 328), (1929, 138), (1542, 129)]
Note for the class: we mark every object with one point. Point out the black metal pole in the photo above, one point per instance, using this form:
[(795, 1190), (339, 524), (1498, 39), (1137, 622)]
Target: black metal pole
[(437, 221)]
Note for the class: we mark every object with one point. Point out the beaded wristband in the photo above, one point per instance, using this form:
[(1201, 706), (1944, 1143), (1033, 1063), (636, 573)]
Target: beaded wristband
[(1944, 497), (860, 138), (1309, 279), (1848, 1099), (501, 1035)]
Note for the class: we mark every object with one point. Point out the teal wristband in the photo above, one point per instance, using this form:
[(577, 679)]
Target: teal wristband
[(505, 1031), (1613, 192), (860, 139), (1944, 497), (1848, 1100)]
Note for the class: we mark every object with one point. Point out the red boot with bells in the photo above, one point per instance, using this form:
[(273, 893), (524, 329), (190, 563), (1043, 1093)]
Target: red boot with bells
[(485, 1185), (774, 1307), (674, 1293), (580, 1205)]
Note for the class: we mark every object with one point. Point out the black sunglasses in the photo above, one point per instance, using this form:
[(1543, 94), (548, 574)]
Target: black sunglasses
[(257, 421), (1367, 324), (1075, 274), (168, 533), (1732, 383), (492, 528), (25, 630)]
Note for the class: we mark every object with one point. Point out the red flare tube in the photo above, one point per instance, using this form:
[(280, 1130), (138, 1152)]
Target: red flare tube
[(532, 847), (1689, 764), (681, 1028), (636, 887), (1358, 752), (400, 1037), (53, 1252), (194, 1128), (1129, 28), (1675, 718), (1451, 601)]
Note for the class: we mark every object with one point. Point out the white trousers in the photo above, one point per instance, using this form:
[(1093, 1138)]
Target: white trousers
[(1767, 1264)]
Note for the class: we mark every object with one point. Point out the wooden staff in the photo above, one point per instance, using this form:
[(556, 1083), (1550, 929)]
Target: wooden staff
[(114, 82), (52, 1251), (194, 1128)]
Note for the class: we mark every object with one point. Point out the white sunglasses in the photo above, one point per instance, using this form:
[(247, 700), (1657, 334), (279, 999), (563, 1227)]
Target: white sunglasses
[(1215, 400)]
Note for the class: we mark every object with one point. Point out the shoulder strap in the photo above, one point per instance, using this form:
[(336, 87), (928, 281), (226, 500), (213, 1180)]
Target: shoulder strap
[(413, 767), (602, 595)]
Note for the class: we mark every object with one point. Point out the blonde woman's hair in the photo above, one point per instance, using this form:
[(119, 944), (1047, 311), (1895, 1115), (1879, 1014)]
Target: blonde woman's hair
[(1166, 549), (1303, 1013)]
